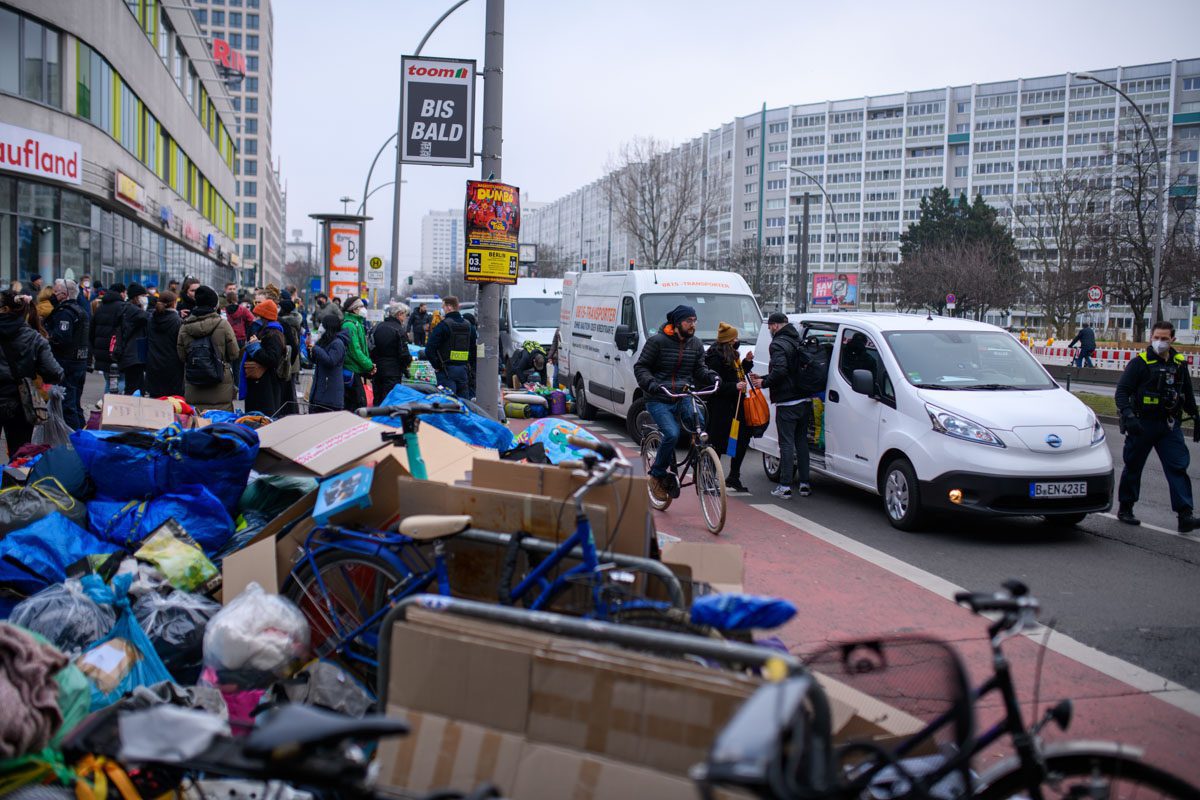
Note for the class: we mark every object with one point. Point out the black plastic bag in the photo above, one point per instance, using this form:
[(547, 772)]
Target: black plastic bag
[(21, 507), (65, 616), (175, 623)]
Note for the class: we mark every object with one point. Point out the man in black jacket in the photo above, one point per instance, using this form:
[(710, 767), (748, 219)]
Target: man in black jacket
[(418, 325), (1153, 394), (68, 328), (793, 411), (451, 349), (672, 359), (105, 323), (1086, 339), (132, 346), (391, 354)]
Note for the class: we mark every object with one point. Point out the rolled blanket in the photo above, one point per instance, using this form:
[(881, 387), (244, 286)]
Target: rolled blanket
[(28, 692)]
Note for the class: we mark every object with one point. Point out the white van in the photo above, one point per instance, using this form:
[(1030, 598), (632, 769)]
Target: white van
[(945, 414), (607, 317), (529, 311)]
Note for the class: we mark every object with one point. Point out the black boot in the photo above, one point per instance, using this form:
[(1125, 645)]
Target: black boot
[(1125, 514), (1188, 523)]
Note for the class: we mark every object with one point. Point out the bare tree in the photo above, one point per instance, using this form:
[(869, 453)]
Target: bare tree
[(877, 258), (1059, 213), (553, 261), (660, 198), (980, 278)]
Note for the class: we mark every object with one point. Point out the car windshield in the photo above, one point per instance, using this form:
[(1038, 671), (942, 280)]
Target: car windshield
[(535, 312), (966, 360), (738, 310)]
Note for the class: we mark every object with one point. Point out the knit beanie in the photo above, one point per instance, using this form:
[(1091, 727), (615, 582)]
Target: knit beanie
[(267, 310), (726, 333), (679, 313), (134, 291), (206, 297)]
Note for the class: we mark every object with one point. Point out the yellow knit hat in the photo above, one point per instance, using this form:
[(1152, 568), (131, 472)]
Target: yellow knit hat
[(726, 333)]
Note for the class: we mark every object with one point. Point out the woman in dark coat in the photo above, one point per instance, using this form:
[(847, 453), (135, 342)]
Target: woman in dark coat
[(722, 358), (164, 370), (391, 354), (265, 395), (23, 354), (329, 358), (131, 349)]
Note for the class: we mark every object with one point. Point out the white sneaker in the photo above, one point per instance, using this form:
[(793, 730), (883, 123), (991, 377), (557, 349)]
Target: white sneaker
[(782, 492), (805, 490)]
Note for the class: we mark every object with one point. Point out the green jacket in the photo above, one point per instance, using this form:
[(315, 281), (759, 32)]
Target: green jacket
[(357, 359)]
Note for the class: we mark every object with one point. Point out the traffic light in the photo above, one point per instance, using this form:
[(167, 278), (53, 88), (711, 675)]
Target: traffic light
[(410, 277), (583, 261)]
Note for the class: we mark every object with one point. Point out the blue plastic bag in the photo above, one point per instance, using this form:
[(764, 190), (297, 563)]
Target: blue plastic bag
[(126, 523), (469, 427), (38, 555), (219, 457), (111, 656), (128, 464), (741, 612), (220, 415)]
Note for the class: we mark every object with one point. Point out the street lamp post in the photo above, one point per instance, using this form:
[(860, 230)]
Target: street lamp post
[(1160, 199), (837, 235)]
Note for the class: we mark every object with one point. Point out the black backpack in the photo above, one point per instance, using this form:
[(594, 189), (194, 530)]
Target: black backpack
[(812, 369), (204, 366)]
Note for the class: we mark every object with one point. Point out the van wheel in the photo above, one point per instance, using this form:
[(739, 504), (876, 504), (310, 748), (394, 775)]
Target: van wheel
[(902, 496), (1064, 520), (771, 467), (583, 409), (638, 422)]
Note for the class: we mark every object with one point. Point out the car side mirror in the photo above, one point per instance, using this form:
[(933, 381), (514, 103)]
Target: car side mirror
[(625, 338), (503, 325), (863, 382)]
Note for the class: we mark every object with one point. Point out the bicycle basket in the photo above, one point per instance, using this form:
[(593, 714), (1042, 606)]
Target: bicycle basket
[(910, 732)]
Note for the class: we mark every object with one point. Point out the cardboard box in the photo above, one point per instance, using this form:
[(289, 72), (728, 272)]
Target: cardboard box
[(447, 459), (316, 445), (123, 413), (705, 566), (625, 498)]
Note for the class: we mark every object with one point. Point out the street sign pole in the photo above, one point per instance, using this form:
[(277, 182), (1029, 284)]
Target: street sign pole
[(487, 384)]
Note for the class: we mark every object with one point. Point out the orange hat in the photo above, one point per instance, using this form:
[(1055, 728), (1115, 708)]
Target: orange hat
[(267, 310)]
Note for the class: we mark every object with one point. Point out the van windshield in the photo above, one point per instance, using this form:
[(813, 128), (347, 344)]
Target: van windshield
[(738, 310), (967, 360), (535, 312)]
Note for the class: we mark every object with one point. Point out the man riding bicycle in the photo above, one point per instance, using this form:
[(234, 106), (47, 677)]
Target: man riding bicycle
[(672, 359)]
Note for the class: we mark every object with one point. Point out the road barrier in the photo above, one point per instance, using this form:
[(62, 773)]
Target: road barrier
[(1103, 358)]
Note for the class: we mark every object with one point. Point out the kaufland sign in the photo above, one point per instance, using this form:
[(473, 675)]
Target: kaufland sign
[(36, 153)]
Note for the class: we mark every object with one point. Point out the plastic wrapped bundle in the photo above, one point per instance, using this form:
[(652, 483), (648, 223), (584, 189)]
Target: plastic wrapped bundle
[(65, 616), (175, 624), (256, 639)]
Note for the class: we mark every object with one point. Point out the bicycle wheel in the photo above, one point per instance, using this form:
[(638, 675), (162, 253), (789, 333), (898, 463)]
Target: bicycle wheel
[(356, 588), (1099, 774), (650, 443), (710, 488)]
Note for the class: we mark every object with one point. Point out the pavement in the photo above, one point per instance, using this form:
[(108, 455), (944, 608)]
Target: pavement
[(1120, 606)]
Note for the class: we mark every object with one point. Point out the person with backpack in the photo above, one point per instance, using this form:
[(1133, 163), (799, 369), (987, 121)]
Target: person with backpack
[(389, 350), (329, 357), (68, 326), (207, 348), (131, 350), (793, 406), (289, 318), (164, 368), (450, 349), (723, 358), (266, 357), (358, 359), (23, 354), (105, 321)]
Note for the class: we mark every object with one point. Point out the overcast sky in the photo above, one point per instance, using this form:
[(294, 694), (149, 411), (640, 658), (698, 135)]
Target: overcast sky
[(582, 77)]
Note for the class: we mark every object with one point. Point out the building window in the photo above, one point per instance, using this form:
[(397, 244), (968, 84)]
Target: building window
[(251, 148), (250, 188), (251, 41), (252, 63), (252, 19), (249, 251), (250, 167), (1191, 84), (201, 16), (1188, 156), (251, 105), (235, 41), (251, 84), (249, 230), (251, 125), (235, 19), (237, 103), (29, 60), (249, 209), (218, 17)]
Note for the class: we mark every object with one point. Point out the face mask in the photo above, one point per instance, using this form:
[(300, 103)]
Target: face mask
[(320, 332), (86, 285), (143, 301), (1160, 346), (362, 312)]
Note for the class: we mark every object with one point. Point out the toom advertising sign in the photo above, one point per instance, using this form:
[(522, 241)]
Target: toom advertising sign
[(437, 119), (37, 153), (344, 256), (493, 223), (835, 289)]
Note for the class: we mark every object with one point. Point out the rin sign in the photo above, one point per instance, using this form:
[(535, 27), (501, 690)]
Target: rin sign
[(438, 113)]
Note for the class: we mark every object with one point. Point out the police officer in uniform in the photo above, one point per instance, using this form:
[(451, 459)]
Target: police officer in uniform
[(1152, 396), (68, 327), (451, 349)]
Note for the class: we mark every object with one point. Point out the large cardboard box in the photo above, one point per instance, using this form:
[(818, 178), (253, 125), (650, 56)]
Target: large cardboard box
[(447, 459), (123, 413), (704, 567), (626, 498), (316, 445)]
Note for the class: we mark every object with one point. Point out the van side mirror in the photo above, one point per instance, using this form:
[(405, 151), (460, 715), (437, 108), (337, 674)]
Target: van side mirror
[(503, 325), (863, 382), (625, 338)]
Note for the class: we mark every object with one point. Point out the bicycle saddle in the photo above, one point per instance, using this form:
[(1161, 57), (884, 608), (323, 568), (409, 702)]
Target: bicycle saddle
[(427, 527), (301, 726)]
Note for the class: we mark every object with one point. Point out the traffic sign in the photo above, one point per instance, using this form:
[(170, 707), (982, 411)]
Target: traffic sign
[(376, 276), (951, 300), (1095, 298)]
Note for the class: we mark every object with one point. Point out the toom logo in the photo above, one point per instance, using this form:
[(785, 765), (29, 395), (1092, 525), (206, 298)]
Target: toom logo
[(37, 153), (438, 72)]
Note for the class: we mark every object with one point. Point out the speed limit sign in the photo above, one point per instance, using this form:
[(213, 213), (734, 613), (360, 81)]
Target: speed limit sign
[(1095, 298)]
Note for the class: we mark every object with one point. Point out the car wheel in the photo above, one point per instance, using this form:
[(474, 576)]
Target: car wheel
[(638, 421), (1064, 520), (583, 409), (771, 467), (902, 496)]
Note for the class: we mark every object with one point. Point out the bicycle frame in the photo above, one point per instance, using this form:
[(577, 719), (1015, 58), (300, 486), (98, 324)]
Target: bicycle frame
[(697, 433)]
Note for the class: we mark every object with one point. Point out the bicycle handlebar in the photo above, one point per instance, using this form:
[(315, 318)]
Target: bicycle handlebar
[(603, 449), (410, 409), (690, 392), (1003, 601)]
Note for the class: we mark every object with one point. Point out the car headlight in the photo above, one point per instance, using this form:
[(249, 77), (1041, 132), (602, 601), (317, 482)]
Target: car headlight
[(961, 427), (1097, 430)]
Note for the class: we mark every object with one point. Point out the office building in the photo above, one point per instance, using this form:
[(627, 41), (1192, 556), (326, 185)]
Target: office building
[(876, 157), (442, 243), (242, 35), (115, 159)]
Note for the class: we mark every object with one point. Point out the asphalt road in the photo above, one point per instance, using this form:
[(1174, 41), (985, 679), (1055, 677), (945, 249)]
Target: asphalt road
[(1133, 593)]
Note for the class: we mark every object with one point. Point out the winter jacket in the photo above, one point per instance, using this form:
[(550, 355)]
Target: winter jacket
[(520, 366), (218, 396), (670, 360), (328, 390), (391, 351), (67, 327), (239, 318), (441, 338), (131, 337), (45, 302), (265, 395), (104, 324), (1086, 339), (164, 368), (291, 327), (33, 357), (787, 359), (358, 360), (416, 326)]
